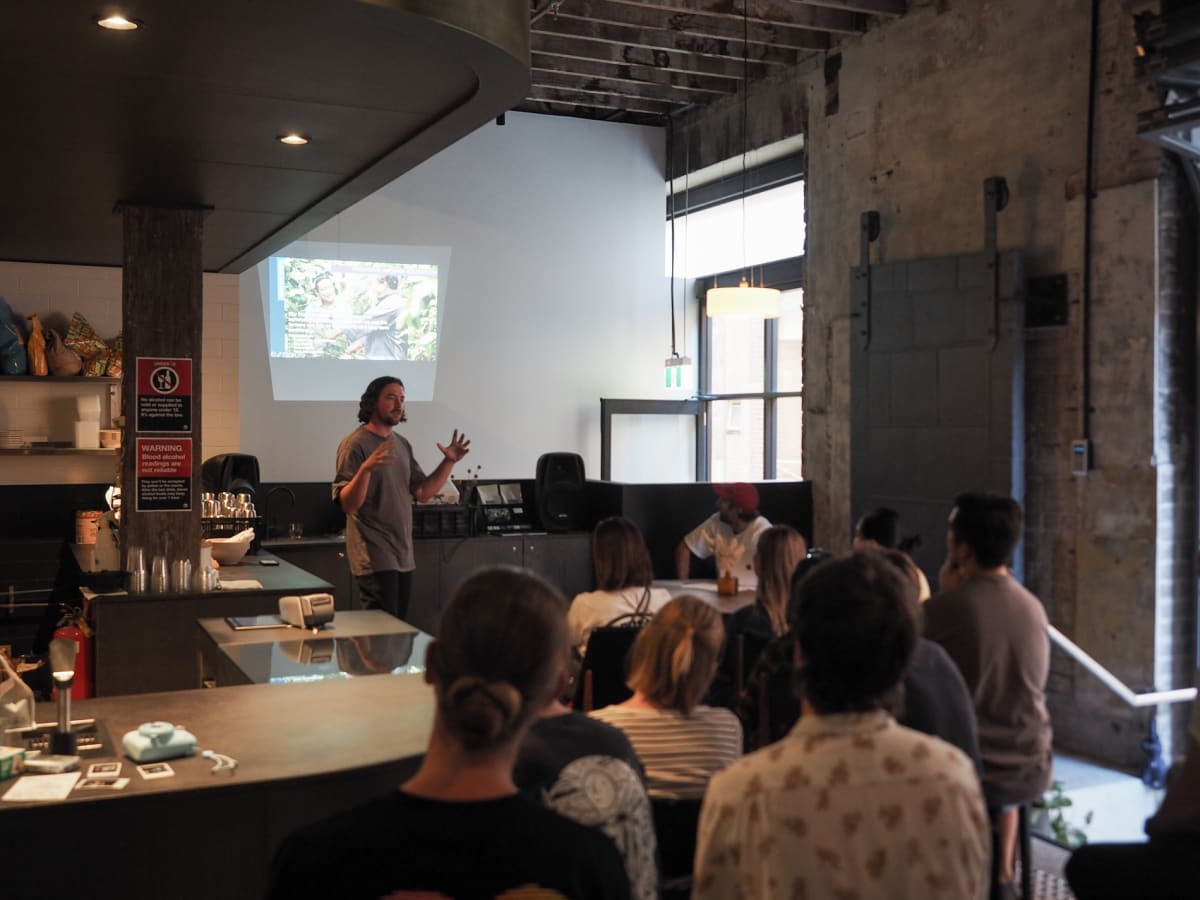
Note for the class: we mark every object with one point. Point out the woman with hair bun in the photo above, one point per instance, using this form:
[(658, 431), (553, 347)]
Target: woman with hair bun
[(681, 743), (459, 827)]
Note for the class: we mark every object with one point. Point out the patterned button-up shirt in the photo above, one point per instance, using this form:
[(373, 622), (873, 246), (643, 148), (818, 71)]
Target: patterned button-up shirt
[(846, 807)]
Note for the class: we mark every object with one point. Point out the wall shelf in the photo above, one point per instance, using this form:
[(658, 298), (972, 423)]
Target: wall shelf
[(45, 379), (57, 451)]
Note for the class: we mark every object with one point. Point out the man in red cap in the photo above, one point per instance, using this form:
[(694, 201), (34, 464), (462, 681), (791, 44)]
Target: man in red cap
[(730, 534)]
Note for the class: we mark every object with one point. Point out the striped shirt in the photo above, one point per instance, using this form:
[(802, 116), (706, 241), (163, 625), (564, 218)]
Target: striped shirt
[(679, 753)]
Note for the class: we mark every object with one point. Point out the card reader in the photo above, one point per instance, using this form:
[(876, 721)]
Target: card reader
[(306, 610)]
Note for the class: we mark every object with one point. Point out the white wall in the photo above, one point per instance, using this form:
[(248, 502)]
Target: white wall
[(48, 408), (556, 297)]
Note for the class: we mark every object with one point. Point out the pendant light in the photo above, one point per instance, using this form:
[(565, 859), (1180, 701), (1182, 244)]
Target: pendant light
[(745, 300)]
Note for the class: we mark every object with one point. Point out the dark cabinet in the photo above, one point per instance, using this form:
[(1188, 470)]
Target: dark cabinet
[(326, 561), (565, 560)]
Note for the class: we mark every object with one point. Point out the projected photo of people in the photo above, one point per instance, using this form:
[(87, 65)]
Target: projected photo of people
[(338, 309)]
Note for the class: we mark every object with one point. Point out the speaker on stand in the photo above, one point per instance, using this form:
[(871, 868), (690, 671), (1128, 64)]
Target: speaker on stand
[(559, 491)]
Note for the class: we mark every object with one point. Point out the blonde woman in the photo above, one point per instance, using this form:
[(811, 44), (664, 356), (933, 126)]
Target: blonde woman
[(780, 550), (681, 742)]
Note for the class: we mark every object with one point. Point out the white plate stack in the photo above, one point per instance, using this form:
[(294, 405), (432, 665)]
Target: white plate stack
[(12, 438)]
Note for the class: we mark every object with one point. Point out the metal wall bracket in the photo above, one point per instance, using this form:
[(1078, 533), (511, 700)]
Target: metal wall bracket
[(995, 199), (868, 232)]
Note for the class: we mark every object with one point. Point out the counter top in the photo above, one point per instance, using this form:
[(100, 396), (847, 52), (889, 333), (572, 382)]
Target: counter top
[(276, 732), (284, 578), (315, 540)]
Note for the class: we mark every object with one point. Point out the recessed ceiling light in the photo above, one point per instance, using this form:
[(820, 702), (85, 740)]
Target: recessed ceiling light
[(118, 22), (293, 139)]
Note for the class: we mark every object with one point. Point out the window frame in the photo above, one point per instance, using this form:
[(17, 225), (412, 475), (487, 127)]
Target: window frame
[(784, 275)]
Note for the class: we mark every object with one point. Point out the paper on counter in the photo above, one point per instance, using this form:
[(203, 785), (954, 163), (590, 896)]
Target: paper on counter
[(42, 787), (244, 584)]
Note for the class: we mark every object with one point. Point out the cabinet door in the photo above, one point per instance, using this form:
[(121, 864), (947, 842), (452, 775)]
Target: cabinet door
[(565, 560), (425, 603), (328, 563)]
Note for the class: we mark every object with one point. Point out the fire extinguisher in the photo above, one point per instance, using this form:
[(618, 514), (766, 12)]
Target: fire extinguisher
[(74, 627)]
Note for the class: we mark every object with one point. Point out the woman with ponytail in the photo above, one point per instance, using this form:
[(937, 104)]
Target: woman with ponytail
[(458, 827), (681, 742)]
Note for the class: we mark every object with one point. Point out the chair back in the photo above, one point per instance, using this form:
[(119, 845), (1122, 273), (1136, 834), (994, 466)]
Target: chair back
[(675, 825), (605, 668)]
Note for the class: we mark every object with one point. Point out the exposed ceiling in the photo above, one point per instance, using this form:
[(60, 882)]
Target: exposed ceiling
[(186, 111), (640, 60)]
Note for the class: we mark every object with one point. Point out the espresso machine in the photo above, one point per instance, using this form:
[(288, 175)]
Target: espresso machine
[(231, 496)]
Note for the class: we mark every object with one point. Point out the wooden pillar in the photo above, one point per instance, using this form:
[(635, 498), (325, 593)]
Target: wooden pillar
[(162, 323)]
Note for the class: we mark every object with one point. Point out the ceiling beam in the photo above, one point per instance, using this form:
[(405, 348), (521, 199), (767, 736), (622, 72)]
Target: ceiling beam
[(647, 17), (554, 108), (542, 78), (617, 54), (703, 85), (663, 39), (601, 100), (869, 7), (761, 12)]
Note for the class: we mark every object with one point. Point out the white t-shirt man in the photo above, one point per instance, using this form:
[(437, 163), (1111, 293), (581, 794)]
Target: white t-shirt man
[(734, 552)]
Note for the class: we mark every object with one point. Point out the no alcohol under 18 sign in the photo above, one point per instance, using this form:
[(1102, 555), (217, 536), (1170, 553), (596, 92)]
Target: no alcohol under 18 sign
[(164, 394)]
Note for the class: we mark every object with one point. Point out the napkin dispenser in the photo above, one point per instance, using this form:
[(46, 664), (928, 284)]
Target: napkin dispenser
[(306, 610)]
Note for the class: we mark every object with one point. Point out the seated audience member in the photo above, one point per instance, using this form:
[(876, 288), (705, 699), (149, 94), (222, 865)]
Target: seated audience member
[(776, 667), (995, 631), (936, 700), (730, 534), (623, 576), (880, 530), (849, 804), (1163, 868), (588, 771), (459, 827), (780, 550), (680, 742)]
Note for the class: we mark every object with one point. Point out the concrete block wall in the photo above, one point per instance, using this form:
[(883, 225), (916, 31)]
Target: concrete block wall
[(927, 107), (56, 292)]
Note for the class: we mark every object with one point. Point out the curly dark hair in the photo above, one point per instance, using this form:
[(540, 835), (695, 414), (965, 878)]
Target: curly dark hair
[(370, 397)]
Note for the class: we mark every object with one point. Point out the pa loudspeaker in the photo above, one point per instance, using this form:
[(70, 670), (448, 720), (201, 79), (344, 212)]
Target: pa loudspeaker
[(559, 491)]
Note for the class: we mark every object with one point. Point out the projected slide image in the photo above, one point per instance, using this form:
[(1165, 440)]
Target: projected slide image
[(341, 309)]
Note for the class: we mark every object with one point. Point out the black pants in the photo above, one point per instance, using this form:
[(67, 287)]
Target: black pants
[(1162, 869), (389, 591)]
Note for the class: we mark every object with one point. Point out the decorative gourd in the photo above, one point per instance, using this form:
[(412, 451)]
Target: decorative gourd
[(36, 347)]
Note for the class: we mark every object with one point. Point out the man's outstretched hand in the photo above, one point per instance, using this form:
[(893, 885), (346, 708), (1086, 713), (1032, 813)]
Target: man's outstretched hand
[(458, 447)]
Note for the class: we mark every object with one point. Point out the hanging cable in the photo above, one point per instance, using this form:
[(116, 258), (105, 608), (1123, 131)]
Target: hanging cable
[(671, 190), (745, 117)]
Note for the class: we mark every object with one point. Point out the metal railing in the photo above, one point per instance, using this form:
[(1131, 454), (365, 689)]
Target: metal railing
[(1114, 684)]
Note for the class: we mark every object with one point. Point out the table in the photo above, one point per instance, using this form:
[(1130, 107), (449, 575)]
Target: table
[(707, 591), (355, 643)]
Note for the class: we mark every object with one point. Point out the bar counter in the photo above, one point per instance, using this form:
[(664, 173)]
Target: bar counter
[(147, 642), (304, 751)]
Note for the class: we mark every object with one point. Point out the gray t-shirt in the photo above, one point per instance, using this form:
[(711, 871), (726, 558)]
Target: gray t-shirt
[(995, 631), (379, 535)]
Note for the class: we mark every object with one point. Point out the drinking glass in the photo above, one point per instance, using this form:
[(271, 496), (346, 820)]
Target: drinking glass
[(158, 575)]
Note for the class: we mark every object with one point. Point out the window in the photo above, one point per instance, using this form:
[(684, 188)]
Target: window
[(751, 375), (751, 371)]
